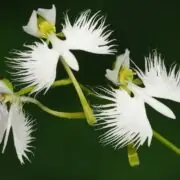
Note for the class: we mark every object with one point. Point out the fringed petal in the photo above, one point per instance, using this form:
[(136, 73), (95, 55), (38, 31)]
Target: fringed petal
[(88, 34), (125, 118), (35, 66), (158, 81)]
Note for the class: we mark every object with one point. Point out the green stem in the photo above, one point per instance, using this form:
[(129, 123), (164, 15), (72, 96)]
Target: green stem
[(62, 82), (68, 115), (87, 110), (166, 142), (57, 83), (27, 90)]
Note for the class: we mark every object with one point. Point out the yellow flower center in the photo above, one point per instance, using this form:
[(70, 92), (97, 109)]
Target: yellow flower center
[(126, 75), (45, 27)]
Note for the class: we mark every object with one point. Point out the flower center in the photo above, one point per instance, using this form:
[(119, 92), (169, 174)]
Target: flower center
[(45, 27), (126, 75)]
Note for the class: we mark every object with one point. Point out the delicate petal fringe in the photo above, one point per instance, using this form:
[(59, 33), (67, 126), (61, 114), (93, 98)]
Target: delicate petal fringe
[(125, 118), (22, 128), (35, 66), (88, 34), (158, 81)]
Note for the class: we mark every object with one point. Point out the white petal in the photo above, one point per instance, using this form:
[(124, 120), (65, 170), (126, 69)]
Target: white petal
[(121, 60), (3, 120), (4, 88), (126, 119), (36, 66), (60, 47), (48, 14), (8, 128), (22, 129), (158, 81), (71, 60), (88, 34), (157, 105), (32, 27)]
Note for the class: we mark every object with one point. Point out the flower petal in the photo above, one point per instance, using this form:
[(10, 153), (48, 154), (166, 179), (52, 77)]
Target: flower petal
[(8, 128), (157, 105), (71, 60), (48, 14), (60, 47), (36, 66), (3, 120), (126, 119), (158, 81), (88, 34), (22, 129), (32, 27), (121, 60)]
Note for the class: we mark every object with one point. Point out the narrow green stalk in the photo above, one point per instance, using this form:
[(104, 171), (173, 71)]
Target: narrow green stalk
[(24, 91), (166, 142), (57, 83), (62, 82), (87, 110), (27, 90), (68, 115), (133, 156)]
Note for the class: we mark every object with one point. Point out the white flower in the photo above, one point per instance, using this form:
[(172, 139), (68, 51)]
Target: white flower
[(125, 117), (39, 29), (37, 65), (21, 125)]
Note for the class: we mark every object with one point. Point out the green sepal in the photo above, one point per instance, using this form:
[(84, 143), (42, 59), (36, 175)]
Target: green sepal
[(133, 156), (8, 84), (61, 35), (137, 81)]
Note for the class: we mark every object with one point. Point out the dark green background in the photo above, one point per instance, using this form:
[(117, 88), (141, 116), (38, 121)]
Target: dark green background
[(69, 149)]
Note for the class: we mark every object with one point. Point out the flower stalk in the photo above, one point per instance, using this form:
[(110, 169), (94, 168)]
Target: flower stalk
[(68, 115), (87, 110), (166, 142)]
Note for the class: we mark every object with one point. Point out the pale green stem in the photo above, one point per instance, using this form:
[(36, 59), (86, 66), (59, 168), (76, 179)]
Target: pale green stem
[(166, 142), (133, 156), (57, 83), (68, 115), (87, 110), (27, 90), (62, 82)]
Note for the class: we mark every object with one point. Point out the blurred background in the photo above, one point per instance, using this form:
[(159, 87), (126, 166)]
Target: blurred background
[(69, 149)]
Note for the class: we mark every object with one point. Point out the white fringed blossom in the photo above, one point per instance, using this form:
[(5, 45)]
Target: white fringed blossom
[(15, 119), (125, 116), (37, 65)]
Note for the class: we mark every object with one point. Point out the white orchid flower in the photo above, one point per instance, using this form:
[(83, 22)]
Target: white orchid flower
[(15, 119), (42, 22), (37, 65), (125, 117)]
